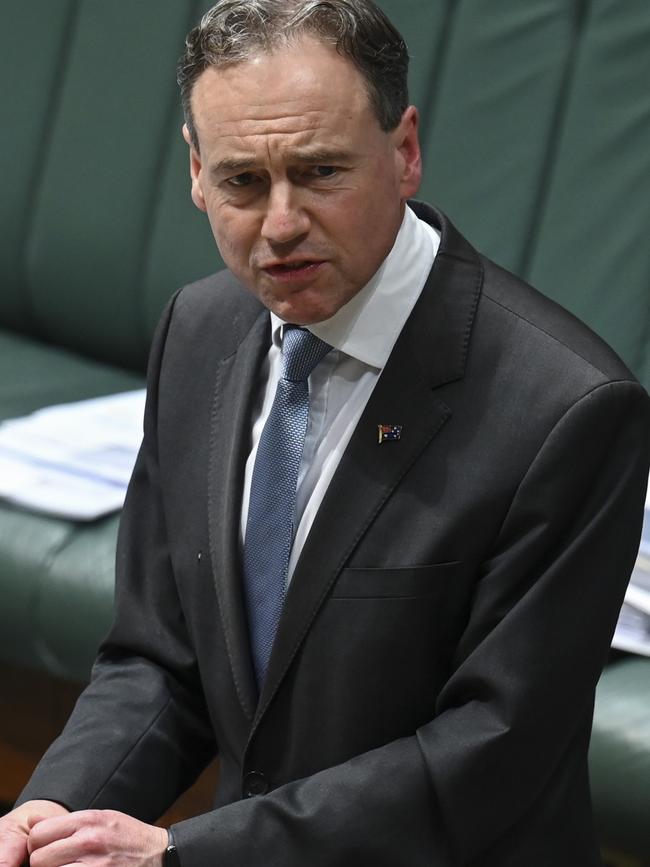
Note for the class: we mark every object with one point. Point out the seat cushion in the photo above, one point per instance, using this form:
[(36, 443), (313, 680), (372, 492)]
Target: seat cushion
[(34, 375), (56, 576), (619, 756)]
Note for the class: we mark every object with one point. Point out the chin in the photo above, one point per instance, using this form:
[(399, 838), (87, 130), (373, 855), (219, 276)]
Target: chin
[(301, 312), (298, 316)]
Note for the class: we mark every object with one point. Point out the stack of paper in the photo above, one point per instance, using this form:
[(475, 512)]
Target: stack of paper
[(73, 460), (633, 628)]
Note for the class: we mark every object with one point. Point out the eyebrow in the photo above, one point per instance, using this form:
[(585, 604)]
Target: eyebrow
[(315, 156)]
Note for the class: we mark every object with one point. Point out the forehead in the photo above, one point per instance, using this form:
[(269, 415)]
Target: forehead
[(300, 87)]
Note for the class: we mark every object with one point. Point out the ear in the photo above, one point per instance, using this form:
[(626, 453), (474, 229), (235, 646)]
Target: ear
[(407, 153), (195, 171)]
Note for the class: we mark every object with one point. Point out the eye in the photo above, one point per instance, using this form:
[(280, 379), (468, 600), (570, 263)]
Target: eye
[(243, 180), (324, 171)]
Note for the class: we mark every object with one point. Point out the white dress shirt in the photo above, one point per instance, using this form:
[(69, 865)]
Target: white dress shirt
[(362, 334)]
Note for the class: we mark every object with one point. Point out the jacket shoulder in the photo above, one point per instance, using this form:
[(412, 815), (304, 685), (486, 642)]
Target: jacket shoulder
[(550, 328), (217, 307)]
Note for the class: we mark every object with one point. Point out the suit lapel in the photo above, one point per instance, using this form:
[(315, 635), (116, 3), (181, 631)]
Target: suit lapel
[(430, 352), (235, 390)]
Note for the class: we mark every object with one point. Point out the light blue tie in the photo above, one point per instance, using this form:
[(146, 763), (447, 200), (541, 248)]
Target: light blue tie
[(269, 528)]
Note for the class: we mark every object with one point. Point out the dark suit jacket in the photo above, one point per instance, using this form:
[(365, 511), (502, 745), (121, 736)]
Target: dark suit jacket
[(430, 692)]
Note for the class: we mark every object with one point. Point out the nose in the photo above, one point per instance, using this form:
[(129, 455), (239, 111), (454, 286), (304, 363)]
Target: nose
[(285, 220)]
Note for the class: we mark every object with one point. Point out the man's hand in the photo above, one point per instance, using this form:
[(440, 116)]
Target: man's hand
[(15, 828), (97, 838)]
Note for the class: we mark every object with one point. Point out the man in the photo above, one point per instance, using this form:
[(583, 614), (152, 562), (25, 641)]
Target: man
[(394, 653)]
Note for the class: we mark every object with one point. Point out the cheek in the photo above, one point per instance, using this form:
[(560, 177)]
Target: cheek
[(366, 226), (369, 208), (233, 234)]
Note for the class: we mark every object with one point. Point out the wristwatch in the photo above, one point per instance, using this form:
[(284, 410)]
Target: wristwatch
[(170, 857)]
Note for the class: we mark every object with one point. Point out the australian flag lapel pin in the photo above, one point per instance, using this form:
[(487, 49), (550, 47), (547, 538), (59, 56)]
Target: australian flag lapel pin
[(389, 432)]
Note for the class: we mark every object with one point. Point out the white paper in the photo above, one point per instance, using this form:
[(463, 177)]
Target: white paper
[(73, 460), (633, 627)]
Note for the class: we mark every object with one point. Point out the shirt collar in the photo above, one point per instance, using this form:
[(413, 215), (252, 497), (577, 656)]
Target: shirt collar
[(368, 326)]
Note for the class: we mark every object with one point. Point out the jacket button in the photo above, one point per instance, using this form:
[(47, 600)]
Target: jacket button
[(255, 783)]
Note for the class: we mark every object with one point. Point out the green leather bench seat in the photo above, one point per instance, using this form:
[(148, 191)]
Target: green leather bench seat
[(620, 756), (40, 375), (99, 232), (59, 601), (535, 118), (57, 576)]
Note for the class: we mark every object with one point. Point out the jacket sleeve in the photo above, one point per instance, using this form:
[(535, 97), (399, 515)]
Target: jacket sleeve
[(140, 733), (494, 777)]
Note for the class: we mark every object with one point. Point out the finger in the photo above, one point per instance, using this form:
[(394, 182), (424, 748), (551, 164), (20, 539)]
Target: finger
[(28, 814), (13, 849), (34, 819), (68, 838), (60, 852), (51, 829)]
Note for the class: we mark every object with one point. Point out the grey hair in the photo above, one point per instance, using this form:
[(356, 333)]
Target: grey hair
[(233, 31)]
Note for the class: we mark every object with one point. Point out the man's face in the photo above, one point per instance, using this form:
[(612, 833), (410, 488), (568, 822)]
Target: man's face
[(303, 190)]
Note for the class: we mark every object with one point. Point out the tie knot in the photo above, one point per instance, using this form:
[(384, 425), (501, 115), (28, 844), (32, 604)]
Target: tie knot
[(301, 352)]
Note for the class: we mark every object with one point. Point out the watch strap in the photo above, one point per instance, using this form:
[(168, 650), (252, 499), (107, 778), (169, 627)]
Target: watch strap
[(170, 856)]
